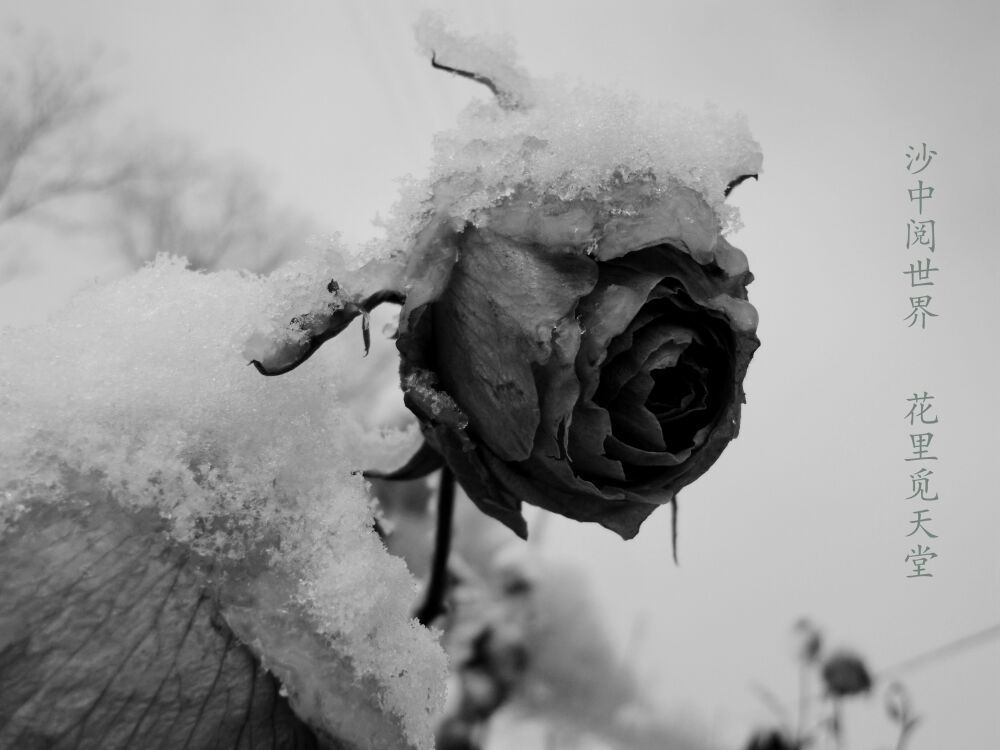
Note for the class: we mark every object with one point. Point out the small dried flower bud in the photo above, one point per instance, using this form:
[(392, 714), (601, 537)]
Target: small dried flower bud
[(810, 641), (845, 674)]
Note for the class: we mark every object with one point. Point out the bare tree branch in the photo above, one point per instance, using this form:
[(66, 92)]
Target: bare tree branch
[(153, 196), (44, 103), (215, 214)]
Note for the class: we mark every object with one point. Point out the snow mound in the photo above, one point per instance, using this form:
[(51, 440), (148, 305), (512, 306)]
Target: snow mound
[(144, 385)]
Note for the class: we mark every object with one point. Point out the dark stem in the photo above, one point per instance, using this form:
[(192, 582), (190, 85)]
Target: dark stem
[(466, 74), (433, 605), (673, 527), (737, 181), (505, 99), (386, 295), (838, 722)]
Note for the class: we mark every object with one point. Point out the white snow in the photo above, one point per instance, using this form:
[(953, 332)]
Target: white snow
[(563, 140), (144, 384)]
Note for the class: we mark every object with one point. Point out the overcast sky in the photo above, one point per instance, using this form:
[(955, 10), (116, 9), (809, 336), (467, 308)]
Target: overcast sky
[(806, 513)]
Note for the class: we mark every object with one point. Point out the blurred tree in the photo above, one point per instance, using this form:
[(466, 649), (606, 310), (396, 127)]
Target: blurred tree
[(216, 214), (47, 112), (61, 170)]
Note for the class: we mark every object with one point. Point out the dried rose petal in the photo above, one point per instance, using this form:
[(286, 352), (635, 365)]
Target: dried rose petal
[(595, 348)]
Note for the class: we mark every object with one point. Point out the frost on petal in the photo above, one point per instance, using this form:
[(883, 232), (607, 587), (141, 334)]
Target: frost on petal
[(142, 387)]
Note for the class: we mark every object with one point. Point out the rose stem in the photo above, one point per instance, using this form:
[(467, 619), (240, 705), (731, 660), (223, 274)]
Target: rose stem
[(673, 527), (803, 712), (433, 605)]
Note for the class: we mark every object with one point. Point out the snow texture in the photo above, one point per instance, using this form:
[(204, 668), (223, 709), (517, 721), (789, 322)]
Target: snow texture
[(143, 384), (563, 141)]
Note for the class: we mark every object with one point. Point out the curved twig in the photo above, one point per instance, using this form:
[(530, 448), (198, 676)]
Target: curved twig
[(338, 320), (504, 98), (737, 181)]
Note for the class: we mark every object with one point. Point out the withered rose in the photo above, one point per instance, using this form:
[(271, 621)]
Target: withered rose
[(583, 356)]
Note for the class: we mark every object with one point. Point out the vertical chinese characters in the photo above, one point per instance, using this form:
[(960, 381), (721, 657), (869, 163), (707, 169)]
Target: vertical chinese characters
[(920, 237), (921, 242), (922, 420)]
